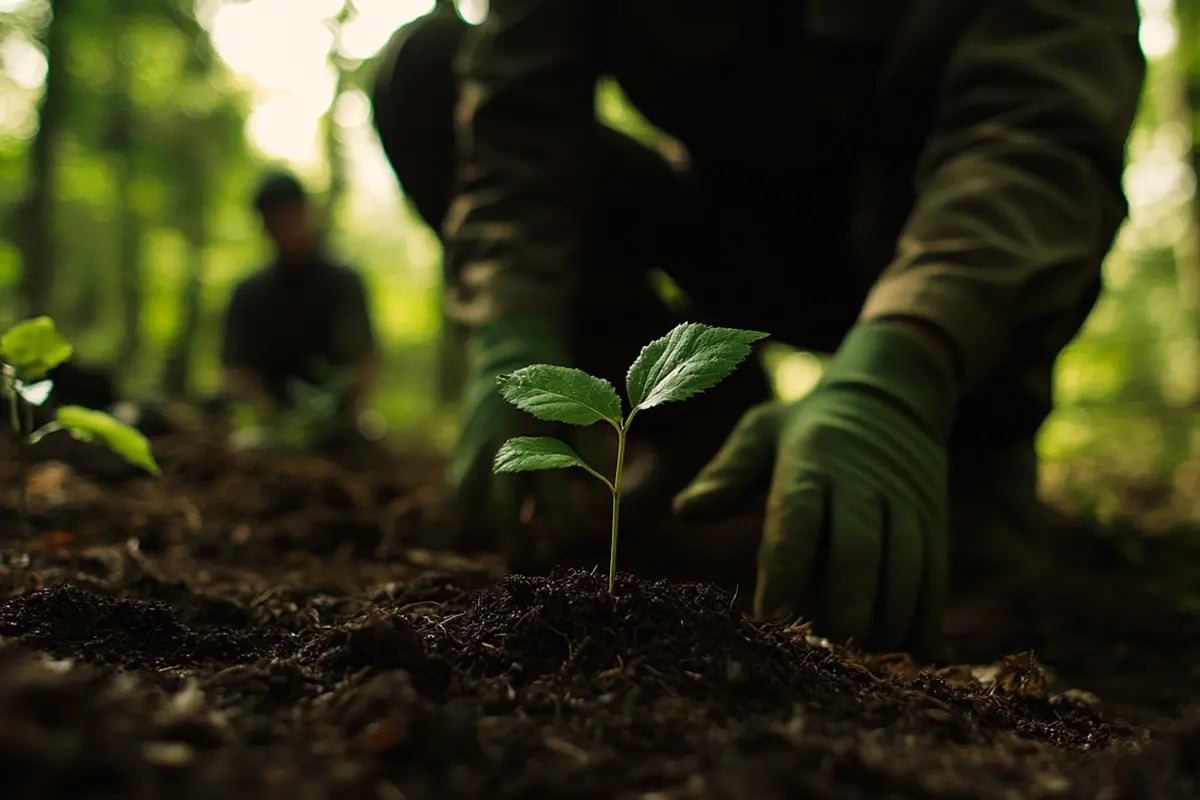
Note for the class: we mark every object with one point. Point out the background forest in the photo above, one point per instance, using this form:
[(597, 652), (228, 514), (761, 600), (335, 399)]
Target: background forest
[(132, 133)]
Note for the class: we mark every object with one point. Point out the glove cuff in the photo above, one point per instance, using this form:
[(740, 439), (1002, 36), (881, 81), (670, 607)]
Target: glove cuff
[(516, 341), (896, 361)]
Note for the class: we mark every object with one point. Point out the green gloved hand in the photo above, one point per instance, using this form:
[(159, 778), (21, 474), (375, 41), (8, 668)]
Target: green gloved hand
[(855, 529), (487, 421)]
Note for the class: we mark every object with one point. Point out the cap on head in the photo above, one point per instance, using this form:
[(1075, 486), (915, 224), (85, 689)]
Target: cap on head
[(279, 190)]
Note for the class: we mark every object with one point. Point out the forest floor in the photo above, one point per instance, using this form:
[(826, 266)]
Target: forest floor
[(267, 626)]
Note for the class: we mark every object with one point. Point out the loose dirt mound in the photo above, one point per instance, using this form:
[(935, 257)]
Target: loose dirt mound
[(677, 671), (212, 635)]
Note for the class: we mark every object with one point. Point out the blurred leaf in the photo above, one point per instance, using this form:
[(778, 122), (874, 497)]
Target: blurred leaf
[(88, 425), (530, 453), (688, 360), (561, 394), (34, 347)]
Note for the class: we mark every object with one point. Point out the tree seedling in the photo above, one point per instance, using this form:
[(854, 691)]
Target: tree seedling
[(688, 360), (310, 415), (28, 351), (314, 408)]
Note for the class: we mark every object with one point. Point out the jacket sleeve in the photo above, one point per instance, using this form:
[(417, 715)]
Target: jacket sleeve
[(1018, 191), (517, 230)]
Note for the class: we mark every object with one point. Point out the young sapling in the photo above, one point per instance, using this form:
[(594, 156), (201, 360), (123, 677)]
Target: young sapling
[(688, 360), (28, 351)]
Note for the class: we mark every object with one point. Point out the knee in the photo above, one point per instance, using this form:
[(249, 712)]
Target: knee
[(413, 99)]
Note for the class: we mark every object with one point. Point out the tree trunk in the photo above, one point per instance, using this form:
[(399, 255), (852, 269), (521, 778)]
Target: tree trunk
[(177, 375), (335, 155), (129, 234), (36, 213)]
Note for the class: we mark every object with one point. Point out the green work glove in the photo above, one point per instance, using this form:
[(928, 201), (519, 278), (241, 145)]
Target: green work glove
[(855, 529), (496, 349), (491, 507)]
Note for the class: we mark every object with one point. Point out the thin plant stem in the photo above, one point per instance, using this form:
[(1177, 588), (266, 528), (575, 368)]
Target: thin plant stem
[(43, 432), (622, 434), (616, 513), (600, 477)]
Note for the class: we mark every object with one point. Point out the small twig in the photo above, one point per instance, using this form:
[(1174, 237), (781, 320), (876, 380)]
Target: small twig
[(564, 748), (43, 432), (567, 639), (418, 604), (441, 626)]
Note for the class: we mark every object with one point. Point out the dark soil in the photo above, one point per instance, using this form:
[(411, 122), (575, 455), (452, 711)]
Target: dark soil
[(276, 626)]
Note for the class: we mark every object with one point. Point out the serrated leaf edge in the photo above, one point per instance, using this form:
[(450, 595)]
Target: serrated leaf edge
[(757, 336), (512, 378)]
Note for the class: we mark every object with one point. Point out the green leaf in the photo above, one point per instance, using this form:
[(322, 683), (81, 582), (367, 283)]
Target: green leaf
[(127, 442), (561, 394), (530, 453), (34, 347), (691, 358)]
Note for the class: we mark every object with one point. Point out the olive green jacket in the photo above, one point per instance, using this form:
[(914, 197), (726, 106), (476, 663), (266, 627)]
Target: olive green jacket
[(1003, 121)]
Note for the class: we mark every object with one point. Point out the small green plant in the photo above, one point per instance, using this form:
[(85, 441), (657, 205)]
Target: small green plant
[(311, 414), (687, 361), (313, 411), (28, 351)]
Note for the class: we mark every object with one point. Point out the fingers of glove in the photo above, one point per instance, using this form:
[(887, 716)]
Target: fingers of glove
[(901, 574), (792, 535), (856, 535), (931, 602), (741, 465)]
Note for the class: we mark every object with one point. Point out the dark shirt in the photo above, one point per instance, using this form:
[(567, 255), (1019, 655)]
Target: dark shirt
[(297, 321)]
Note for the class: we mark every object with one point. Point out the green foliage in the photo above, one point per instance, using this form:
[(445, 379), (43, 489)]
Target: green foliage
[(690, 359), (34, 347), (614, 109), (561, 394), (530, 453), (312, 414), (685, 362), (313, 408), (88, 425), (29, 350)]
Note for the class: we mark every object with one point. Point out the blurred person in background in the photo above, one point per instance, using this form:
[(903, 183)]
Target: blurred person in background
[(300, 327)]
